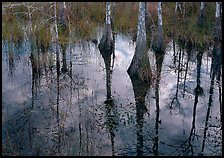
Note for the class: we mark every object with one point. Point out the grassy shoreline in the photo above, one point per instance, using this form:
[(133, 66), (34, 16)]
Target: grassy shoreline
[(86, 16)]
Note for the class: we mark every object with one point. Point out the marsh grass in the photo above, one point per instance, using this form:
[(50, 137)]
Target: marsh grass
[(12, 29), (43, 35), (86, 16), (186, 27)]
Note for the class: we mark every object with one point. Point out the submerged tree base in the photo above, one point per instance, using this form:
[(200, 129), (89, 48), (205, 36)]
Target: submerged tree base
[(106, 45), (140, 66)]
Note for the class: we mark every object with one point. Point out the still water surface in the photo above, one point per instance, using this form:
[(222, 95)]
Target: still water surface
[(70, 115)]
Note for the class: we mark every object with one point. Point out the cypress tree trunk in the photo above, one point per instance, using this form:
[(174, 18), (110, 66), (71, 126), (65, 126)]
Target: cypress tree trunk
[(201, 19), (140, 66), (106, 48), (160, 29), (158, 45), (106, 42)]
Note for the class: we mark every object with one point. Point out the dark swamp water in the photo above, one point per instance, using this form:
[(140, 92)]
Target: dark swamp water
[(68, 113)]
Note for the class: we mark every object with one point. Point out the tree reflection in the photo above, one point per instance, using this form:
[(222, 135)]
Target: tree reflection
[(111, 108), (11, 58), (64, 63), (198, 92), (159, 63), (140, 90), (216, 65), (175, 103), (63, 32), (189, 48), (107, 48)]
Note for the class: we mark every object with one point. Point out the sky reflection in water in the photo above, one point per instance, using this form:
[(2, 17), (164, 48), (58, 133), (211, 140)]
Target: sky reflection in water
[(82, 128)]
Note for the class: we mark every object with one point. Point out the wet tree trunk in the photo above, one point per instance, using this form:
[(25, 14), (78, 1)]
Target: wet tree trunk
[(140, 66), (201, 18)]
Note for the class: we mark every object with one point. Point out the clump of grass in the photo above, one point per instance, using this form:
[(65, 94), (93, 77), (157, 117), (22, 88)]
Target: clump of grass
[(126, 18), (12, 29), (84, 29), (86, 16), (186, 27), (43, 35)]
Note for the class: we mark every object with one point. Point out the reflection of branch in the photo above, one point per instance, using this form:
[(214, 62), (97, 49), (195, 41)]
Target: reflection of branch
[(173, 104), (182, 146), (10, 145), (24, 116)]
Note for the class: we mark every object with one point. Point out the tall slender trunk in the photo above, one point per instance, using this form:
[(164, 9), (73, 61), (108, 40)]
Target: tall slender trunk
[(217, 54), (197, 93), (58, 75), (189, 47), (178, 71), (160, 29), (106, 44), (80, 127), (56, 39), (64, 63), (159, 62), (208, 111)]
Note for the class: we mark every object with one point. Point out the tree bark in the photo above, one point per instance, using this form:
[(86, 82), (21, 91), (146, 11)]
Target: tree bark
[(140, 66), (201, 18)]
